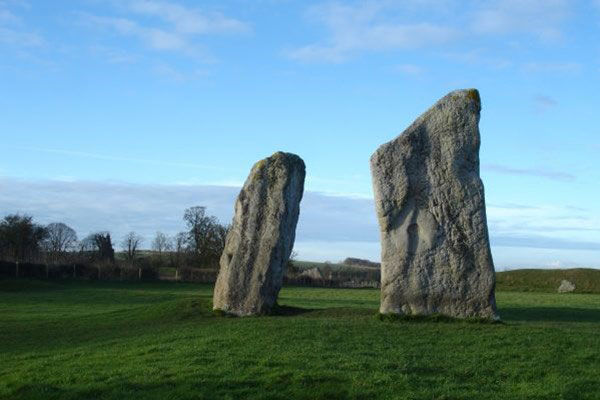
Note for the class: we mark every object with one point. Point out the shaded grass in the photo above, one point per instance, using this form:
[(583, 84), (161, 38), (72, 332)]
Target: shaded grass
[(74, 340), (439, 318)]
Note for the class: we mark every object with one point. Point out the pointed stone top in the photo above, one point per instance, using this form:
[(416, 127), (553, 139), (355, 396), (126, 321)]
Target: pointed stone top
[(462, 99), (281, 155), (469, 96), (447, 116)]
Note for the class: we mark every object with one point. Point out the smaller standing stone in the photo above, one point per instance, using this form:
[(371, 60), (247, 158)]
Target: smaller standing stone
[(566, 286), (261, 238)]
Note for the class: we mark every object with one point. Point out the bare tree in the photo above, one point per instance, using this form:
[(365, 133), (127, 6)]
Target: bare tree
[(60, 239), (206, 236), (130, 245), (161, 243), (179, 246), (199, 225)]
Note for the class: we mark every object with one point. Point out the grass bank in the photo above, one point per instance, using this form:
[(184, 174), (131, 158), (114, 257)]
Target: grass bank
[(586, 280)]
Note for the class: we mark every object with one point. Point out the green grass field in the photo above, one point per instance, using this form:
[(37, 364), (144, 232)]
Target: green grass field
[(99, 340)]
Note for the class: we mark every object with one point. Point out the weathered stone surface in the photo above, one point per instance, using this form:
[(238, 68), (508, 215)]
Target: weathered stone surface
[(566, 286), (262, 235), (430, 204)]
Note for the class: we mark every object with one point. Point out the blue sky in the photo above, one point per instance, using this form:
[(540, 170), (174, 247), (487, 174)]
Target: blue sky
[(120, 114)]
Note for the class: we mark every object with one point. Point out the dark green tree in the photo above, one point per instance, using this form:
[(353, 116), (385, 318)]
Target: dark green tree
[(20, 238)]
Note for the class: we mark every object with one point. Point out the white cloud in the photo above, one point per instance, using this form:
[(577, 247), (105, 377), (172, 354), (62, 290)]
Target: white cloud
[(366, 27), (177, 75), (122, 207), (19, 38), (114, 55), (155, 38), (381, 25), (13, 31), (533, 172), (557, 67), (329, 228), (188, 21), (83, 154), (541, 18), (7, 17), (409, 69), (549, 226), (167, 26), (479, 57)]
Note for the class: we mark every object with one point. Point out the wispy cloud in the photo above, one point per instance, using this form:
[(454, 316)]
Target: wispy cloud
[(156, 38), (165, 26), (409, 69), (541, 18), (330, 227), (535, 172), (479, 57), (7, 17), (379, 25), (366, 27), (19, 38), (120, 208), (13, 30), (552, 67), (114, 55), (551, 226), (83, 154), (542, 242), (189, 21), (178, 75)]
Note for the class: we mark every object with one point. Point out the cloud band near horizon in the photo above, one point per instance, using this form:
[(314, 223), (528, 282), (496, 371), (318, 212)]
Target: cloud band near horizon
[(330, 227)]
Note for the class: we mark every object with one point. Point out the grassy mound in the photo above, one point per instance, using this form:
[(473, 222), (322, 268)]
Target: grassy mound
[(548, 280)]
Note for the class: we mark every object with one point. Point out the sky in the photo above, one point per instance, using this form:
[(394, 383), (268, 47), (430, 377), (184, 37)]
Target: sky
[(119, 115)]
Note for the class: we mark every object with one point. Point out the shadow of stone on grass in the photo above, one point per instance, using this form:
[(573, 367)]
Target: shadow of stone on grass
[(550, 314), (437, 318)]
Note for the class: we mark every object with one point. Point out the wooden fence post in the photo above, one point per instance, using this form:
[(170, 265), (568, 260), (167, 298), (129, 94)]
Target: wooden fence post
[(17, 269), (47, 272), (139, 274), (176, 274)]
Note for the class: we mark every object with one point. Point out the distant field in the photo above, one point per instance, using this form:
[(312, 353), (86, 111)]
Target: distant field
[(101, 340), (548, 280), (313, 264), (586, 280)]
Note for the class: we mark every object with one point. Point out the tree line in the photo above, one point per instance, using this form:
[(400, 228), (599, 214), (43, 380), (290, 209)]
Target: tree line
[(200, 245)]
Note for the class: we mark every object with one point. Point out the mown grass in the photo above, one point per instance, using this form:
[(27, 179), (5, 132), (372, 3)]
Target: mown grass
[(74, 340)]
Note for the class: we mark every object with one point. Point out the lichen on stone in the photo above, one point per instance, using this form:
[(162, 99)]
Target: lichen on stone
[(473, 94)]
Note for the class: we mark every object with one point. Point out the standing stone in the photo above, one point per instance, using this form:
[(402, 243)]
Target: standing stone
[(566, 286), (261, 238), (429, 199)]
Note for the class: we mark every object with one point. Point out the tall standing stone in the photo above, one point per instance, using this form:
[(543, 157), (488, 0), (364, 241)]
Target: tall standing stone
[(430, 204), (261, 238)]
